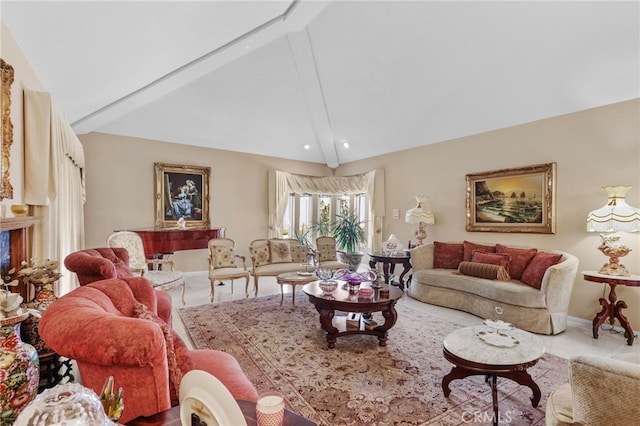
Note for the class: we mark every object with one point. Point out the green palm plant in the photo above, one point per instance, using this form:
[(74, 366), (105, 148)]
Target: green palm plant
[(348, 231)]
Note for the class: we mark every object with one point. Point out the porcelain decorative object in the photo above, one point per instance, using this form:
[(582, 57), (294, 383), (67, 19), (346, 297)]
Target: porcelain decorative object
[(44, 297), (20, 367), (392, 245)]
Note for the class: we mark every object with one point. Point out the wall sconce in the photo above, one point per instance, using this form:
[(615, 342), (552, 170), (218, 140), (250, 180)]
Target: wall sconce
[(421, 216), (615, 216)]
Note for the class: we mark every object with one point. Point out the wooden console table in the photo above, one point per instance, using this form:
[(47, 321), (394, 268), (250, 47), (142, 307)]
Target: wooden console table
[(612, 308), (160, 241)]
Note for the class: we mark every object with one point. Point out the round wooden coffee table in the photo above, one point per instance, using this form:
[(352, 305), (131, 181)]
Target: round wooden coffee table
[(471, 355), (294, 279), (341, 300)]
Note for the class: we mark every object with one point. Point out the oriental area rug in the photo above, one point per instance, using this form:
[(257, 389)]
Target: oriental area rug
[(359, 382)]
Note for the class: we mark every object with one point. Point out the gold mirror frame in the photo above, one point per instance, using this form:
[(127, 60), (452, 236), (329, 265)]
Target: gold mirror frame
[(6, 190)]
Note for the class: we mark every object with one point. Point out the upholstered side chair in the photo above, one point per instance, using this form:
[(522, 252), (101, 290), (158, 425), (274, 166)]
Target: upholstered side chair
[(327, 254), (112, 328), (96, 264), (223, 266), (162, 275)]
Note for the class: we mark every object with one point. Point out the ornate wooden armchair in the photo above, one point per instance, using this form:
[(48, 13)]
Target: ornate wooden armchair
[(327, 254), (222, 264)]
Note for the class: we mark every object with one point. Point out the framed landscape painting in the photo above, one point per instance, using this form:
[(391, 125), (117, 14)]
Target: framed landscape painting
[(181, 192), (512, 200)]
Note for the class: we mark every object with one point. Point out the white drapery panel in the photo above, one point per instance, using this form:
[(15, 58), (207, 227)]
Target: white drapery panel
[(281, 184), (54, 182)]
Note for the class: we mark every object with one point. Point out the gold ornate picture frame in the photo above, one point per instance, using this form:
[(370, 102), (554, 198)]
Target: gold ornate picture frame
[(512, 200), (181, 192), (6, 190)]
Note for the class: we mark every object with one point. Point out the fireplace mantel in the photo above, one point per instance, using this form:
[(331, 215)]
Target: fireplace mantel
[(11, 223)]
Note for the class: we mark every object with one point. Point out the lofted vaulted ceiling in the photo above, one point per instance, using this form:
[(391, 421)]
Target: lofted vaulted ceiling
[(268, 77)]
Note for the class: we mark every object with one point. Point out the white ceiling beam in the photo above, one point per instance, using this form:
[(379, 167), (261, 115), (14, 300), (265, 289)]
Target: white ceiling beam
[(302, 52), (296, 16)]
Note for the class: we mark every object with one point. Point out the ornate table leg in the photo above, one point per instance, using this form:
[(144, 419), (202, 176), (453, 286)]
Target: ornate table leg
[(523, 378), (326, 323), (385, 270), (407, 268), (390, 317), (455, 374), (606, 312), (617, 313)]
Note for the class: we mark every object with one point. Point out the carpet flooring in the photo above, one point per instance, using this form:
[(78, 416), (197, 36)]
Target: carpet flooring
[(359, 382)]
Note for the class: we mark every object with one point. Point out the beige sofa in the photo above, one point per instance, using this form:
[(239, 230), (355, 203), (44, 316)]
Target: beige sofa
[(601, 391), (272, 257), (542, 310)]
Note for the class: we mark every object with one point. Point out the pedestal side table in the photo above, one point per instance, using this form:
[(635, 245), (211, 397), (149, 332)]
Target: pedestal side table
[(389, 262), (612, 308), (471, 355)]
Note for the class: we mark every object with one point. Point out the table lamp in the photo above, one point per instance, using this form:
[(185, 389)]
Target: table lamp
[(615, 216), (421, 216)]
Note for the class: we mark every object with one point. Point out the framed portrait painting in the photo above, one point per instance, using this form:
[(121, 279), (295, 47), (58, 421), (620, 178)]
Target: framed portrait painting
[(181, 192), (512, 200)]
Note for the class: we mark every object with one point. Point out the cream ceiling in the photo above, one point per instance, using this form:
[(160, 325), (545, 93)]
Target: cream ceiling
[(268, 77)]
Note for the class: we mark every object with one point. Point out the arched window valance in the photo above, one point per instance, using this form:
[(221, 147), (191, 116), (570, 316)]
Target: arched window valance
[(281, 184)]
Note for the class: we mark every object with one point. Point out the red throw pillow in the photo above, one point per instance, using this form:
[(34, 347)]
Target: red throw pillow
[(500, 259), (469, 248), (520, 258), (447, 255), (535, 270)]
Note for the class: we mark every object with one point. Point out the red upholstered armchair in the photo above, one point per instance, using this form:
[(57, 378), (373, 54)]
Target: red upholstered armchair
[(111, 328), (102, 263)]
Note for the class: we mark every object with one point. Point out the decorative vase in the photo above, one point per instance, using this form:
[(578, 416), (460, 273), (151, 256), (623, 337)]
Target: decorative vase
[(392, 245), (19, 369), (44, 297)]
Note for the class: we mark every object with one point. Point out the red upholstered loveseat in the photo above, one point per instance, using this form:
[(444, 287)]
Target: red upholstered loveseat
[(111, 328), (102, 263)]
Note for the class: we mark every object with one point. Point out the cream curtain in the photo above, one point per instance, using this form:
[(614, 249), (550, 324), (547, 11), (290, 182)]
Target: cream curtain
[(372, 183), (54, 182)]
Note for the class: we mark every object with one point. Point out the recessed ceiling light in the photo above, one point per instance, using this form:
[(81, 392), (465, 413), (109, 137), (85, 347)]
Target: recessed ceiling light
[(307, 146), (345, 144)]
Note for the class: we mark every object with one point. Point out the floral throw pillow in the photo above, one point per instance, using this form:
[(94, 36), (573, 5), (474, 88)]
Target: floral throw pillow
[(259, 255), (280, 251), (298, 254), (223, 257)]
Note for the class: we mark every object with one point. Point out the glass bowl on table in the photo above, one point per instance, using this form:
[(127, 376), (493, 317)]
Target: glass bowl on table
[(327, 284)]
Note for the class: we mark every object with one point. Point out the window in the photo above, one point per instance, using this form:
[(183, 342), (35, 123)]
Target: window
[(305, 212)]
